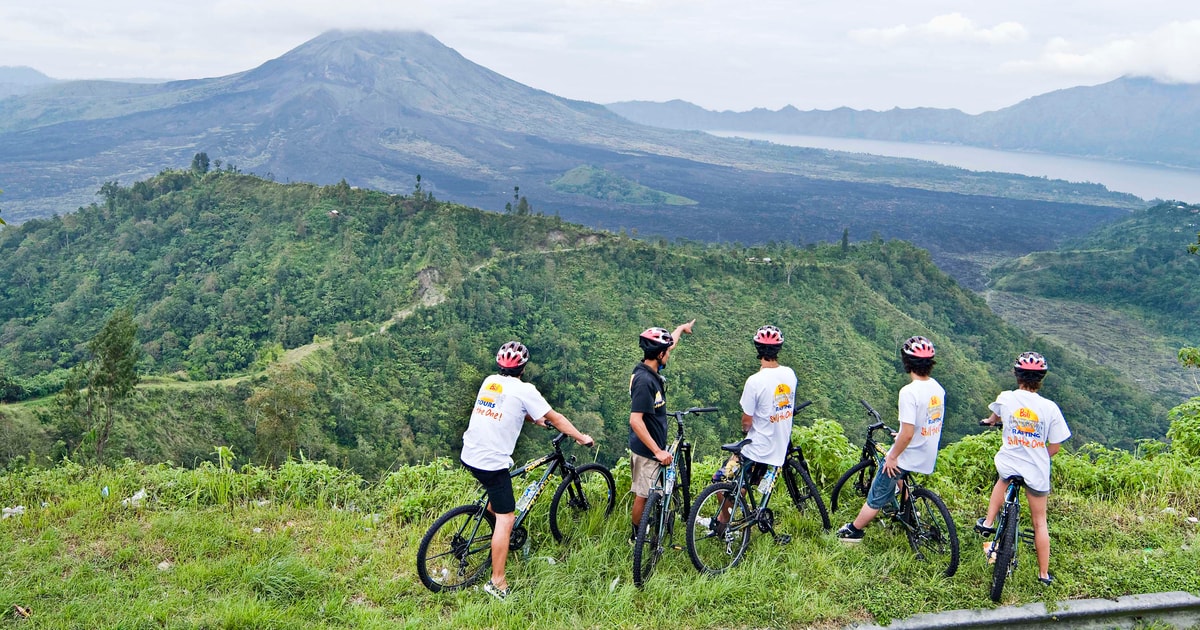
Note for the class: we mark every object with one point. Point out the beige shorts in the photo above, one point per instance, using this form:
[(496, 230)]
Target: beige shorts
[(643, 470)]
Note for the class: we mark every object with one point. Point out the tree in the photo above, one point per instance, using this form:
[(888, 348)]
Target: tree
[(113, 370), (278, 409), (200, 163), (845, 240)]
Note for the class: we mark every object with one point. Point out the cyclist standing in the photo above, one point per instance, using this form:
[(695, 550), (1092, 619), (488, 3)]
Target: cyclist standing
[(503, 405), (921, 405), (1034, 430), (648, 414)]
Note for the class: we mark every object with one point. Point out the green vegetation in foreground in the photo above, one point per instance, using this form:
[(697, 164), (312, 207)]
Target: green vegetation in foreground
[(307, 545), (608, 186)]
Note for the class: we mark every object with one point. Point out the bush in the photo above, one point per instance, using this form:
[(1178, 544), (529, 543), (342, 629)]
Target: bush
[(828, 452), (1184, 433)]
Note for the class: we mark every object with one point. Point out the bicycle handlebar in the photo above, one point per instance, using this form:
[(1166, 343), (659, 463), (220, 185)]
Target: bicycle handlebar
[(801, 406)]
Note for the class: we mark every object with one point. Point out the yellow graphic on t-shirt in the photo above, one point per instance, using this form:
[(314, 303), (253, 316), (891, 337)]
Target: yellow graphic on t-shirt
[(782, 403), (934, 425), (1026, 429), (488, 404), (658, 400)]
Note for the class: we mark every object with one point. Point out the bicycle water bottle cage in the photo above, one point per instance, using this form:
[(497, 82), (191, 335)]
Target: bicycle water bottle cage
[(737, 447)]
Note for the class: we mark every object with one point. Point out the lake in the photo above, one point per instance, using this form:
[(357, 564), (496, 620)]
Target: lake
[(1145, 181)]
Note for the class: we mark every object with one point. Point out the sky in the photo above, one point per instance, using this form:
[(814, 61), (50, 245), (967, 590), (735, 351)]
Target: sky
[(866, 54)]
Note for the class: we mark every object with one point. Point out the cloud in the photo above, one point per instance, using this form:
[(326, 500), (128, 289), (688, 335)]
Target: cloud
[(951, 27), (1170, 53)]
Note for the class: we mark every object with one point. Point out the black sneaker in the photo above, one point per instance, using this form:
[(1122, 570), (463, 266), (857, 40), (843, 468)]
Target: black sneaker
[(851, 534), (1048, 580), (984, 529)]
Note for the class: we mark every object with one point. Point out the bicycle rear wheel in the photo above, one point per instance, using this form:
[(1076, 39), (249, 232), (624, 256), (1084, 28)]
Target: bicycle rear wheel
[(716, 545), (804, 492), (582, 502), (457, 549), (647, 547), (854, 484), (932, 534), (1006, 552)]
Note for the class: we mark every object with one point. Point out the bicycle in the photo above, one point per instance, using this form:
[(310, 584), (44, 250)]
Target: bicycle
[(456, 551), (669, 494), (921, 512), (795, 466), (726, 512), (1001, 552)]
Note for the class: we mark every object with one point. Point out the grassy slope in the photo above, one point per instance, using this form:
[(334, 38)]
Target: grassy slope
[(205, 550)]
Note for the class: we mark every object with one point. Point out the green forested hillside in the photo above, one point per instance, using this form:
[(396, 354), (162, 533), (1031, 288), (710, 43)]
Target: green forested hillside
[(402, 301), (1140, 265)]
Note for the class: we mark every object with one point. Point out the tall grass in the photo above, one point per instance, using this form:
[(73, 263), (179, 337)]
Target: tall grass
[(309, 545)]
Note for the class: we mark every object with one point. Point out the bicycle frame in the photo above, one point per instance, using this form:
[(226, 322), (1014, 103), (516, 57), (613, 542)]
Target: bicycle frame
[(557, 460)]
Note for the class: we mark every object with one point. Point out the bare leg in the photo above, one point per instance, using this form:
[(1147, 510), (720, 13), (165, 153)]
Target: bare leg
[(865, 515), (500, 536), (639, 504), (995, 502), (1041, 533)]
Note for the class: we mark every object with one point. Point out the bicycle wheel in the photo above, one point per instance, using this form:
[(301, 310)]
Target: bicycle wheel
[(854, 484), (457, 549), (582, 502), (1006, 552), (715, 546), (647, 548), (803, 490), (932, 533)]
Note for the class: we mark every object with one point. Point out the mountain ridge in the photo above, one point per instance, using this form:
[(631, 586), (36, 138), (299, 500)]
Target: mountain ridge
[(1130, 118)]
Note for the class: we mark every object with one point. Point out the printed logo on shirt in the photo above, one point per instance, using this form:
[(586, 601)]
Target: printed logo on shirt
[(658, 400), (489, 401), (1025, 422), (934, 425), (782, 403)]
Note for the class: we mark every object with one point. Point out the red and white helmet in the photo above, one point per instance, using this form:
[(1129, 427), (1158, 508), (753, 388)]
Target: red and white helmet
[(1031, 361), (655, 339), (919, 347), (511, 355), (769, 336)]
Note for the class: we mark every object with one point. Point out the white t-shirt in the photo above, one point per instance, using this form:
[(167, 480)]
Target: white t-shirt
[(500, 410), (1030, 423), (923, 405), (770, 398)]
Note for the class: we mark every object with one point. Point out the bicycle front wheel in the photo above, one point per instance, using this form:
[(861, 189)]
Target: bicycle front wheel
[(1006, 551), (854, 484), (647, 547), (804, 492), (457, 549), (718, 529), (932, 533), (582, 502)]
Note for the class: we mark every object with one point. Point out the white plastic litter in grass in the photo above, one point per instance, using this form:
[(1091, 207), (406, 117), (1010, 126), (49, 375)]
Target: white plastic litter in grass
[(136, 499), (164, 566), (612, 587), (12, 511)]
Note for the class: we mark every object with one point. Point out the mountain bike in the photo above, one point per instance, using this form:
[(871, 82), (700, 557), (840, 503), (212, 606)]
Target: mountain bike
[(456, 551), (669, 497), (920, 511), (1002, 550), (799, 481)]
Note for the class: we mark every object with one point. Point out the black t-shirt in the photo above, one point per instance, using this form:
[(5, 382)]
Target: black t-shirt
[(648, 396)]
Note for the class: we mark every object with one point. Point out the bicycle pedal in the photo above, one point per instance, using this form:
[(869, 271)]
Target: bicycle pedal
[(677, 547)]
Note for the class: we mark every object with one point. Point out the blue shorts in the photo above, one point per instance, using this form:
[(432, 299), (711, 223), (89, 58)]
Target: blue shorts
[(883, 489)]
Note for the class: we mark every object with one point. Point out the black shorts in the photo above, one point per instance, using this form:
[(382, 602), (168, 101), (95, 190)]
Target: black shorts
[(498, 484)]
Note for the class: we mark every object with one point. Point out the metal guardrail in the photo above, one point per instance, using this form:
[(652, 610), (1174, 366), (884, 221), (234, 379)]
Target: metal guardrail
[(1176, 609)]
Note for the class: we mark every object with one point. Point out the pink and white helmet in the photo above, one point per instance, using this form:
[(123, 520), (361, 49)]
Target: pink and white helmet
[(511, 355), (769, 336), (1031, 361), (919, 347), (655, 339)]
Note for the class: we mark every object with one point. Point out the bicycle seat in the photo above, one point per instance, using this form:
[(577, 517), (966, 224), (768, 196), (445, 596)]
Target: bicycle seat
[(1016, 479), (736, 447)]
